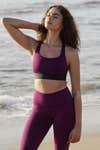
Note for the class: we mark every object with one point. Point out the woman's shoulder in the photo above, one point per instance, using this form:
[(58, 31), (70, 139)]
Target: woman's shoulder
[(71, 53), (70, 50)]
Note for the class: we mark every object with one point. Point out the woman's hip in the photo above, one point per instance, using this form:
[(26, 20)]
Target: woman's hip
[(58, 99)]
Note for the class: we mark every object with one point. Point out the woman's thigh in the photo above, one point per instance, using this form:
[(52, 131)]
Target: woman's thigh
[(35, 129), (64, 122)]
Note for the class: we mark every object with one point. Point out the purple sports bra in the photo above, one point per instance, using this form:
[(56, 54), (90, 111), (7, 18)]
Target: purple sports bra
[(50, 68)]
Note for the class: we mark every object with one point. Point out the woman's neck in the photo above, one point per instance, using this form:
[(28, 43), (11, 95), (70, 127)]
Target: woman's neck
[(53, 39)]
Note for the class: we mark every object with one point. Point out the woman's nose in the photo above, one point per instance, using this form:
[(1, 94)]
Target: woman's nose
[(49, 17)]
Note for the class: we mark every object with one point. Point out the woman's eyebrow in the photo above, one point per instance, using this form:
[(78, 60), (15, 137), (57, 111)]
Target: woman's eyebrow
[(55, 14)]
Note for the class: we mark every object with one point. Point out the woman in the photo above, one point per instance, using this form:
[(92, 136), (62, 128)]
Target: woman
[(54, 54)]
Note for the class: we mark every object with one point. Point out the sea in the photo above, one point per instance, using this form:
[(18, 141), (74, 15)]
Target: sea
[(16, 76)]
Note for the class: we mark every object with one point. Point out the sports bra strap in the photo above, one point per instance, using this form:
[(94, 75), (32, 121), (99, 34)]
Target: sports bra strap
[(38, 47), (63, 50)]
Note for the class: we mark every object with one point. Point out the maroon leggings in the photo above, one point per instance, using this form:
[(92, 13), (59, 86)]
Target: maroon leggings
[(55, 109)]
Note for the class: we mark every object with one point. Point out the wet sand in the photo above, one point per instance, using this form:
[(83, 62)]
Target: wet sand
[(11, 131), (87, 142)]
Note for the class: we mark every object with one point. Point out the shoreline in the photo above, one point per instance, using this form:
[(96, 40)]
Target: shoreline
[(90, 141), (11, 131)]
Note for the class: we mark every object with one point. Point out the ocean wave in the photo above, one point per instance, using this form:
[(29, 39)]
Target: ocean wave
[(15, 106), (21, 106), (94, 22), (89, 88), (38, 7), (16, 11), (29, 8), (96, 63), (14, 70), (91, 3), (87, 4)]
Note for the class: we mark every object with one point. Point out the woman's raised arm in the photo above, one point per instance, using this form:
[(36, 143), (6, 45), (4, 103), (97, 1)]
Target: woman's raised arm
[(13, 27)]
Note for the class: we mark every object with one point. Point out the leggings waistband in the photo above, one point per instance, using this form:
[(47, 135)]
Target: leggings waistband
[(53, 93)]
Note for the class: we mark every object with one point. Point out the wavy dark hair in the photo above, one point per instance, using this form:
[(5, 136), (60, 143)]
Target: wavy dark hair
[(69, 34)]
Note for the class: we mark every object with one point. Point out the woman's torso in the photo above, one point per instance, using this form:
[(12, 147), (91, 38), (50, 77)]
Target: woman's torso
[(54, 60)]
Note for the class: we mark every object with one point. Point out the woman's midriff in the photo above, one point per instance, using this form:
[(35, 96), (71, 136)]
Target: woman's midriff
[(49, 86)]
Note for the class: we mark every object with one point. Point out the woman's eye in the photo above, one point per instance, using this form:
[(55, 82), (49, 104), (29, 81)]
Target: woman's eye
[(55, 17), (52, 16)]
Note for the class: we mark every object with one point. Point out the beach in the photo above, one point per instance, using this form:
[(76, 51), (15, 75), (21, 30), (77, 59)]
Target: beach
[(12, 135), (89, 141), (12, 129)]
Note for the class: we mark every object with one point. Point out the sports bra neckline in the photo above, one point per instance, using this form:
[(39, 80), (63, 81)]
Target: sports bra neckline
[(62, 52)]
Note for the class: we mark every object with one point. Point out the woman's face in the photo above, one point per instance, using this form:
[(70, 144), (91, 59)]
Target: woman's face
[(53, 19)]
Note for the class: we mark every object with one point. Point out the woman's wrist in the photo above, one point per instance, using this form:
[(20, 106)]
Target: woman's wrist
[(78, 127), (78, 110)]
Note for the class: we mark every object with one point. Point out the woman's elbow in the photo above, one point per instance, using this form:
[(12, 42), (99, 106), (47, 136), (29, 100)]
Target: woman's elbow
[(4, 21)]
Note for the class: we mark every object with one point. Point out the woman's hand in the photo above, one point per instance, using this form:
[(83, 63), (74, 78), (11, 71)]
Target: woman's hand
[(75, 135)]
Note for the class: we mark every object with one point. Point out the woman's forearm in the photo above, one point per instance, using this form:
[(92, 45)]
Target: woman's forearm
[(18, 23), (78, 110)]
